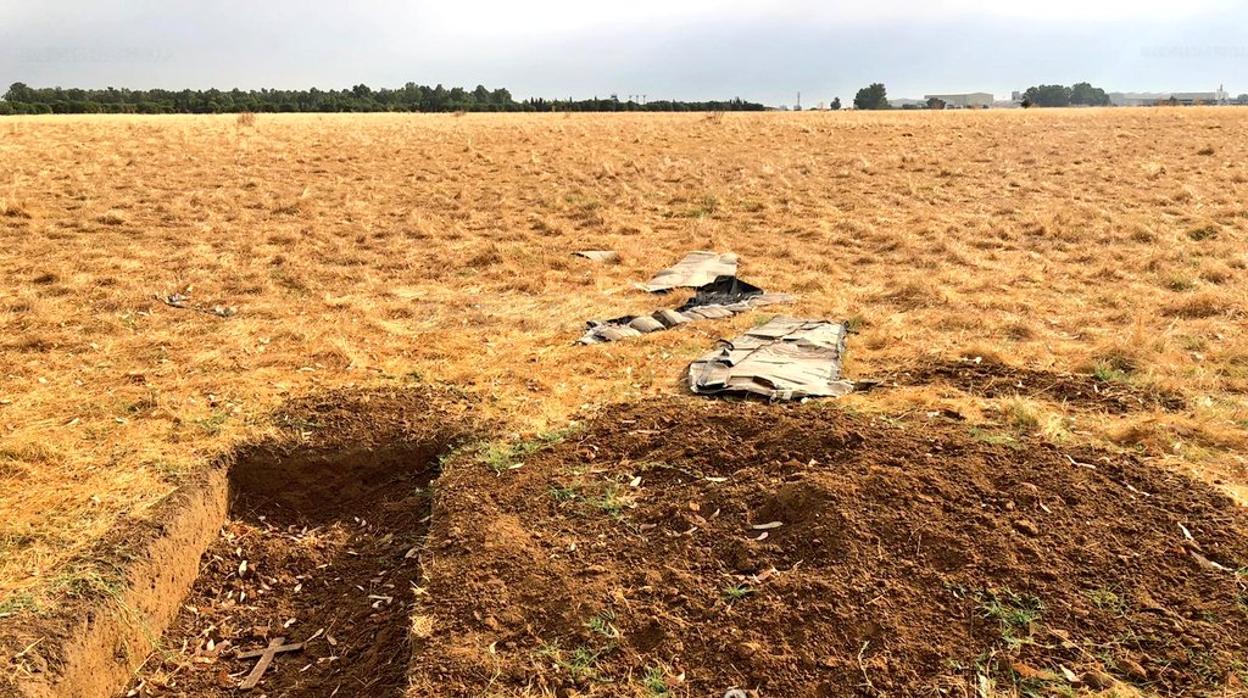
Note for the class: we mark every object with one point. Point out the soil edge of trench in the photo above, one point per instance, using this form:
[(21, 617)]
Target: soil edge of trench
[(101, 641)]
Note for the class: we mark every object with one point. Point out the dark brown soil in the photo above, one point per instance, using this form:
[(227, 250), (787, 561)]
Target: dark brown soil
[(908, 559), (993, 379), (322, 548)]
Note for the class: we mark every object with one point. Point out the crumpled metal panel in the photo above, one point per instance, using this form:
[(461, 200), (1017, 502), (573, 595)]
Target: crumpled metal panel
[(695, 270), (785, 359), (598, 332)]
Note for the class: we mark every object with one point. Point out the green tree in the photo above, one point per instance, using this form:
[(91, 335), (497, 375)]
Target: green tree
[(1085, 93), (871, 97), (1047, 96), (19, 92), (836, 104)]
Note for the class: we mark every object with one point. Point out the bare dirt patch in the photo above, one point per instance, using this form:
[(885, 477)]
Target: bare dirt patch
[(685, 547), (993, 379), (321, 548)]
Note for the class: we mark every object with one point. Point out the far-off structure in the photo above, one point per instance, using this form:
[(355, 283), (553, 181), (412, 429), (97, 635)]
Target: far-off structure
[(963, 100), (1150, 99)]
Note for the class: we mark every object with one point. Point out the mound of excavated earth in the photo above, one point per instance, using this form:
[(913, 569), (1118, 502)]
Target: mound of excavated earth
[(688, 547)]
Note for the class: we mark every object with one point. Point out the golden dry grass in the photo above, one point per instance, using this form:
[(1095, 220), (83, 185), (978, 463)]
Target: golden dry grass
[(383, 249)]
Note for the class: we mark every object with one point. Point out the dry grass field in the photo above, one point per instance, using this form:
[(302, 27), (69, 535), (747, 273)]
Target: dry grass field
[(380, 250)]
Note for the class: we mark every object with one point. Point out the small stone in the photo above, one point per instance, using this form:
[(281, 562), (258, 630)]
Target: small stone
[(1133, 668), (1027, 527), (1098, 679)]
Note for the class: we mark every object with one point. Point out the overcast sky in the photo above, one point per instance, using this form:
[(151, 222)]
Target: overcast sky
[(762, 50)]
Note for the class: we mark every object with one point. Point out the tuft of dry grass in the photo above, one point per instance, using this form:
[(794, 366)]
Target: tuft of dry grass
[(386, 248)]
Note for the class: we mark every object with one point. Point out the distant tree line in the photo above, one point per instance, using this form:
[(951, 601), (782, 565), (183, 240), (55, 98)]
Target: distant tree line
[(21, 99), (1079, 94)]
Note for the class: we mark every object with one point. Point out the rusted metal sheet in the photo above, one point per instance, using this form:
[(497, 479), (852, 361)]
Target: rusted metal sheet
[(724, 297), (695, 270), (785, 359)]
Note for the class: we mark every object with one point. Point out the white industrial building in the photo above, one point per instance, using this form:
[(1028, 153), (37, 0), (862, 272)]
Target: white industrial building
[(1149, 99), (964, 100)]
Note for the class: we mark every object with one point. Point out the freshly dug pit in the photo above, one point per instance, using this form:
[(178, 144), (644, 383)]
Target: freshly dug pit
[(686, 547), (992, 379), (321, 547)]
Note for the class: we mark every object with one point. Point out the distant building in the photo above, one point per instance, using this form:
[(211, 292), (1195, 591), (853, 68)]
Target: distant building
[(966, 100), (1137, 99), (1190, 98), (906, 103), (1150, 99)]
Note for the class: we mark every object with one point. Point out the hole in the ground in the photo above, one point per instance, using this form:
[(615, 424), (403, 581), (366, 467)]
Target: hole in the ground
[(320, 548)]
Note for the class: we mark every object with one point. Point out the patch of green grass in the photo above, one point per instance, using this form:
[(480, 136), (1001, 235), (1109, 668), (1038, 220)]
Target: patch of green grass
[(580, 663), (1107, 373), (604, 624), (1020, 416), (87, 582), (1195, 344), (212, 425), (655, 683), (565, 493), (1179, 284), (299, 423), (855, 323), (706, 206), (994, 438), (1213, 670), (18, 603), (614, 499), (737, 592), (1016, 614), (1036, 687), (1107, 600), (501, 456)]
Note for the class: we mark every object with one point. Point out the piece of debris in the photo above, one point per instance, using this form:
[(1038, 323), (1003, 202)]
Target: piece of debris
[(784, 359), (176, 300), (266, 656), (604, 256), (727, 291), (724, 297), (696, 269), (183, 302), (1207, 563)]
